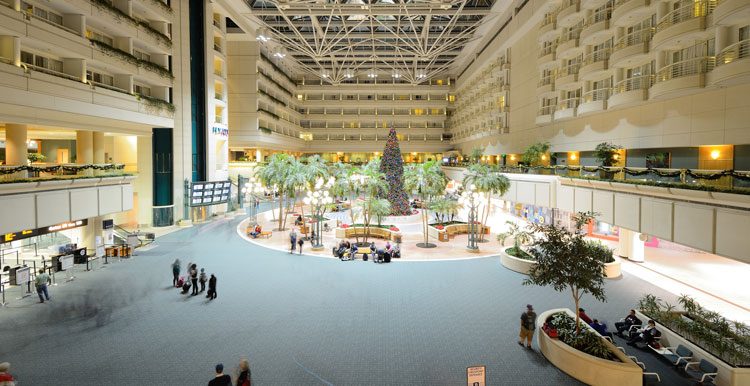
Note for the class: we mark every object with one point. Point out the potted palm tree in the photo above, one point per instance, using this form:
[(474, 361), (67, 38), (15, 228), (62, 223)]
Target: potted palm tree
[(606, 154), (488, 182), (427, 181)]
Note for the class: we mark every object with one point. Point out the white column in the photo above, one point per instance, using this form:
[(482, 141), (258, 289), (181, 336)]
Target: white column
[(98, 150), (85, 150), (258, 156), (16, 149), (630, 245)]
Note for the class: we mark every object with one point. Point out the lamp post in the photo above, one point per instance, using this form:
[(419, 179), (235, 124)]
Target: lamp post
[(319, 199), (252, 188), (470, 198)]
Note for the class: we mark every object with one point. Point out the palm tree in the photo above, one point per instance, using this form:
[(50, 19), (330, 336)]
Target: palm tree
[(309, 171), (520, 236), (275, 173), (426, 180), (372, 207), (445, 209), (488, 182)]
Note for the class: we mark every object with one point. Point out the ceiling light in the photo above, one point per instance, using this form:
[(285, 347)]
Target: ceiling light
[(279, 52), (421, 75), (263, 35), (395, 74), (348, 74), (372, 74), (325, 74)]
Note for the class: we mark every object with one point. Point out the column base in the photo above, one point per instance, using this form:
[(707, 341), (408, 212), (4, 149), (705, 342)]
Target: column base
[(163, 215), (472, 250), (318, 247)]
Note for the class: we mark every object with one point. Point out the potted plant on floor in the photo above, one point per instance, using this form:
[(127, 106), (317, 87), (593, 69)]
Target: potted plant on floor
[(532, 156), (606, 153)]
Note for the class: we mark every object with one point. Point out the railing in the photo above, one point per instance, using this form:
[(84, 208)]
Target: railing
[(684, 68), (643, 82), (601, 94), (573, 34), (29, 15), (549, 19), (42, 172), (546, 110), (569, 103), (219, 73), (692, 10), (547, 80), (108, 87), (598, 16), (217, 24), (547, 50), (219, 96), (48, 71), (736, 51), (635, 37), (596, 56), (568, 3), (568, 70), (217, 48)]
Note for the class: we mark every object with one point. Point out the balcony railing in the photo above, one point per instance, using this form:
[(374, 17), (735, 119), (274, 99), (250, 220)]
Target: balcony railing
[(601, 94), (545, 81), (596, 56), (635, 37), (599, 15), (684, 68), (547, 50), (692, 10), (568, 70), (546, 110), (570, 35), (736, 51), (45, 172), (549, 19), (569, 103), (643, 82)]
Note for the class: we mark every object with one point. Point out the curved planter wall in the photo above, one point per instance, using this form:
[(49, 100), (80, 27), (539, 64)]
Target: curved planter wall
[(611, 270), (584, 367)]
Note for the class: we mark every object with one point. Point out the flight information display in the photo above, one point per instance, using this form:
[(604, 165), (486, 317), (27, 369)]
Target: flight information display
[(210, 193)]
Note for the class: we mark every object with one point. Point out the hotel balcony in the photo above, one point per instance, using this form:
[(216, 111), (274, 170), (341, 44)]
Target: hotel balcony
[(597, 28), (544, 115), (567, 109), (732, 12), (567, 78), (732, 65), (570, 13), (683, 26), (545, 86), (593, 101), (154, 9), (547, 57), (632, 49), (550, 6), (681, 78), (592, 4), (630, 12), (569, 45), (632, 91), (595, 65), (548, 29)]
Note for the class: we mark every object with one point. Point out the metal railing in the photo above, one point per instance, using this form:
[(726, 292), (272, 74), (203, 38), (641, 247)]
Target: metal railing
[(547, 50), (219, 96), (569, 103), (573, 34), (30, 15), (635, 37), (689, 67), (597, 56), (549, 18), (695, 9), (56, 73), (601, 94), (546, 110), (643, 82), (547, 80), (598, 16), (736, 51), (217, 48), (568, 70)]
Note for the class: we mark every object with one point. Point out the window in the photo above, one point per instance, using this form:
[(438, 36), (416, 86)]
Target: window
[(100, 78), (27, 57), (142, 90), (141, 55), (41, 61), (100, 37)]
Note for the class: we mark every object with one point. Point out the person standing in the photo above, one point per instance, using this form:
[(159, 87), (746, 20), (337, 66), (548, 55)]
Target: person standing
[(244, 377), (293, 240), (202, 279), (194, 278), (220, 379), (5, 378), (212, 287), (41, 281), (175, 272), (300, 242), (528, 320)]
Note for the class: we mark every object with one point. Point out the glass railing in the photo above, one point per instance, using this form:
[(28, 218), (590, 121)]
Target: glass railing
[(684, 68), (689, 11), (633, 38), (573, 34), (547, 50), (568, 70), (739, 50), (642, 82)]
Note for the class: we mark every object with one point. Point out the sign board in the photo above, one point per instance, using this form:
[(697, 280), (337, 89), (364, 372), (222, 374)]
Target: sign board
[(25, 234), (108, 224), (23, 275), (210, 193), (475, 376), (99, 246), (66, 262)]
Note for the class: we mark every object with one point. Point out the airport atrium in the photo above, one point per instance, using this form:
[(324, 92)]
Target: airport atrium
[(384, 192)]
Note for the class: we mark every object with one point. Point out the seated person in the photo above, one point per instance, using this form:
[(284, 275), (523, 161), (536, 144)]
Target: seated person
[(583, 316), (387, 256), (626, 322), (298, 221), (396, 251), (378, 256), (646, 334), (340, 249), (372, 247), (601, 328), (326, 228), (387, 246)]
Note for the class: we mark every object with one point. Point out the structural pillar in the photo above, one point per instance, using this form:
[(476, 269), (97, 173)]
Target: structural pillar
[(16, 149), (98, 149), (85, 151), (258, 155), (631, 246)]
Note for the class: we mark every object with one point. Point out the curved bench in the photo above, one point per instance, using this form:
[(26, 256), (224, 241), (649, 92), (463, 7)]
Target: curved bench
[(387, 234)]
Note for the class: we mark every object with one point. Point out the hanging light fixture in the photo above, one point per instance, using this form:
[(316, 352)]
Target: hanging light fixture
[(348, 74), (263, 35), (279, 52), (372, 74), (325, 74), (395, 74)]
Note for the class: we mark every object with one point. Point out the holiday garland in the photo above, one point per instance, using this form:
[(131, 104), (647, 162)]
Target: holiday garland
[(393, 167), (58, 168)]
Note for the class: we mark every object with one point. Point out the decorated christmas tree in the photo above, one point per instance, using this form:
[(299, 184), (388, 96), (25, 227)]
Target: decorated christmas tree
[(393, 167)]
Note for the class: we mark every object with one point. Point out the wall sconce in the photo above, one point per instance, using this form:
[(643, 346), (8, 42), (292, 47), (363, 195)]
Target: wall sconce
[(544, 157), (616, 157), (512, 157), (573, 156), (715, 154)]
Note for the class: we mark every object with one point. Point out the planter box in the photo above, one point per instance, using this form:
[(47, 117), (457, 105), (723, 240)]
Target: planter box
[(584, 367), (387, 234), (727, 375), (613, 269), (514, 263)]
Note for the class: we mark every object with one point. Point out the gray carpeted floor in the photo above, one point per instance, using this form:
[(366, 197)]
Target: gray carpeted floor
[(300, 320)]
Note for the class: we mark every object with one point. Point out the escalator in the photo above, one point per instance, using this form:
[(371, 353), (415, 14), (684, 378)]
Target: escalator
[(136, 239)]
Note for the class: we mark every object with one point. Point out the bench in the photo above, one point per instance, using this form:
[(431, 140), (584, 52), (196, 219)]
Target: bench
[(265, 234), (382, 233), (675, 355), (703, 371)]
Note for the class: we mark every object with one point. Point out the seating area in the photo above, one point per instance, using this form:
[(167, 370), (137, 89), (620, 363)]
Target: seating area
[(382, 233)]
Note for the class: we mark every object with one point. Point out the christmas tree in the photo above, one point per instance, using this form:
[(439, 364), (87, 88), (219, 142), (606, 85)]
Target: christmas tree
[(393, 167)]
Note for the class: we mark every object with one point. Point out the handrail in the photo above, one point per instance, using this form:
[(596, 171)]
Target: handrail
[(546, 110), (684, 68), (50, 22), (597, 56), (572, 34), (601, 94), (571, 69), (692, 10), (108, 87), (547, 50), (635, 37), (549, 18), (547, 80), (599, 15), (568, 103), (53, 72), (739, 50), (642, 82)]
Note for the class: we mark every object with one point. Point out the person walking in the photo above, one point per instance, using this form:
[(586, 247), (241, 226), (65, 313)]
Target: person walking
[(220, 379), (202, 279), (194, 278), (300, 242), (6, 379), (528, 320), (293, 240), (41, 281), (244, 377), (212, 287), (175, 272)]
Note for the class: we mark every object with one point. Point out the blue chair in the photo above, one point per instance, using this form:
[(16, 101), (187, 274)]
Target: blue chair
[(678, 355), (703, 371)]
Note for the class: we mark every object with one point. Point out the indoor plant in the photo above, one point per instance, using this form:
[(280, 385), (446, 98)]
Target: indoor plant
[(606, 153)]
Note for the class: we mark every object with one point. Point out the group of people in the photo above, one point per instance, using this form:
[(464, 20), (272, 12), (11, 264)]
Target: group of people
[(192, 280), (256, 231), (600, 327), (648, 334), (348, 251), (243, 376)]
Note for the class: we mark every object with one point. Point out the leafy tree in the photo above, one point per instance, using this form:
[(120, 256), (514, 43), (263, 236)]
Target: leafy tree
[(476, 155), (372, 207), (564, 261), (275, 174), (36, 157), (532, 156), (445, 209), (488, 182), (605, 153), (427, 181), (520, 236)]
